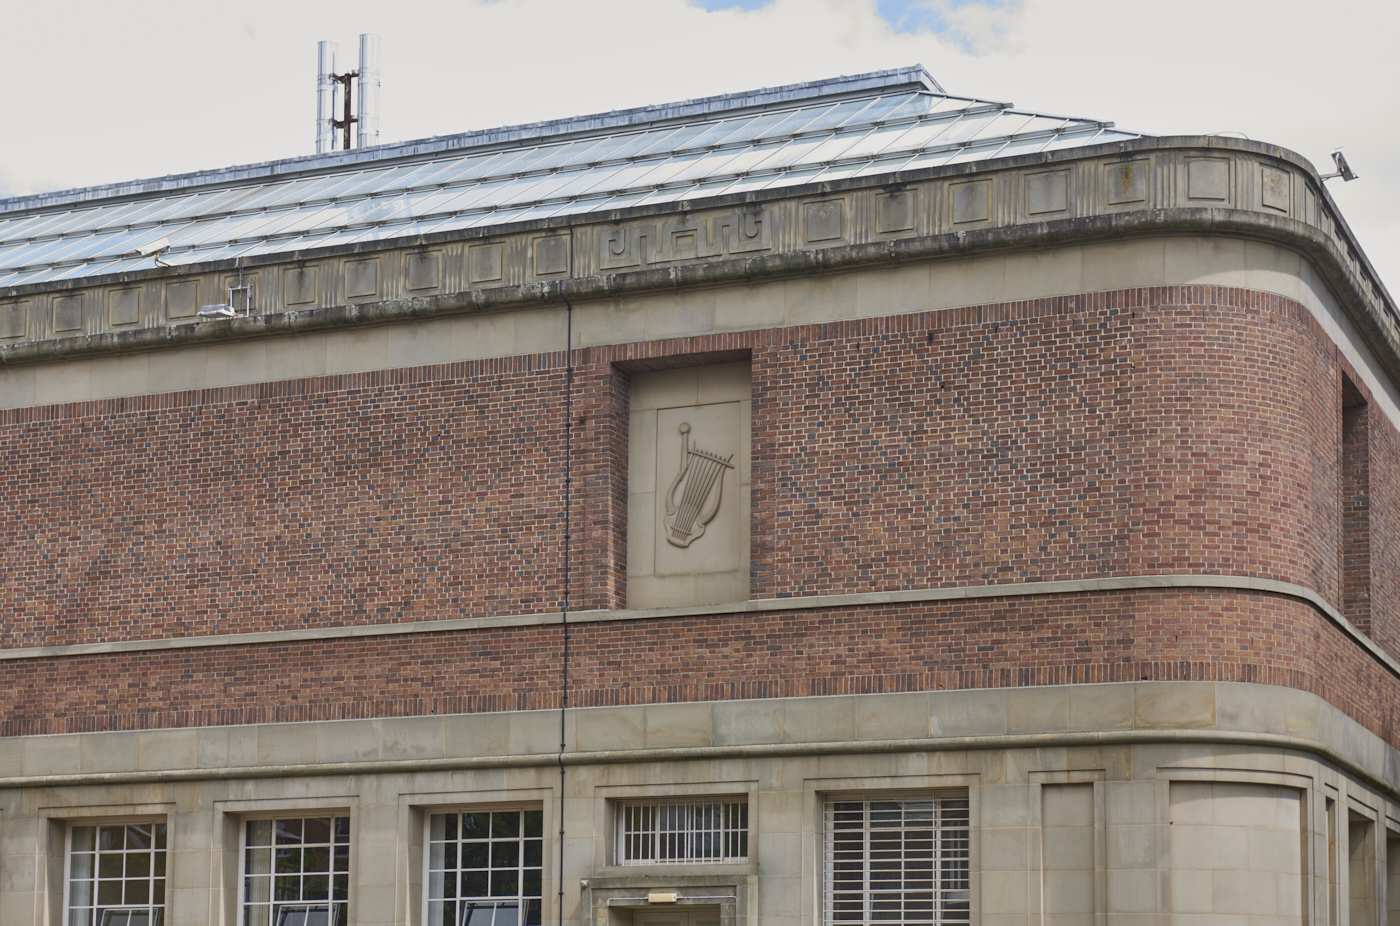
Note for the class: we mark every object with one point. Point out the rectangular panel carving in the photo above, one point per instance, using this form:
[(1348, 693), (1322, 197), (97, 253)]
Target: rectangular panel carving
[(825, 220), (551, 254), (1127, 182), (1276, 188), (1208, 178), (484, 263), (1047, 192), (424, 270), (14, 320), (182, 299), (894, 211), (688, 492), (299, 285), (971, 201), (67, 313), (684, 237), (361, 278), (124, 307)]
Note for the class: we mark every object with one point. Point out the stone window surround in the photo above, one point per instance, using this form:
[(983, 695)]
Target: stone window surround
[(611, 797)]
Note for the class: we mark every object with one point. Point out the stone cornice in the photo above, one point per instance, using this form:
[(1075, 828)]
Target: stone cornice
[(1302, 217)]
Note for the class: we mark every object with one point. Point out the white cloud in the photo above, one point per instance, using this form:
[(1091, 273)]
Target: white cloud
[(101, 92)]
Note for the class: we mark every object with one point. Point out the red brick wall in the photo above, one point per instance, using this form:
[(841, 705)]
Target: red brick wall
[(1095, 637), (1178, 429)]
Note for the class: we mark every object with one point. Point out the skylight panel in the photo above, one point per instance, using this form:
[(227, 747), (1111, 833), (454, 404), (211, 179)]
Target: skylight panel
[(837, 116), (378, 209), (480, 195), (1090, 135), (723, 131), (879, 109), (683, 138), (798, 120), (750, 158), (889, 139), (968, 127), (539, 158), (913, 104), (833, 147), (797, 151), (623, 178), (377, 181), (760, 127), (72, 222), (633, 145), (477, 167), (266, 194), (30, 226)]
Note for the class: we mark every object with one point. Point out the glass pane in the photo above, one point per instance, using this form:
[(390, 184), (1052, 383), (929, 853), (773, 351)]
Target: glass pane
[(138, 865), (109, 865), (317, 829), (137, 892), (257, 890), (111, 838), (84, 838), (81, 865), (79, 893), (109, 893), (258, 861), (259, 832), (505, 825), (534, 823), (288, 832), (476, 825)]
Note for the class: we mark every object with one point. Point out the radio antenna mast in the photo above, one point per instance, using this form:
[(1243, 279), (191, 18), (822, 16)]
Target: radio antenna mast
[(329, 83)]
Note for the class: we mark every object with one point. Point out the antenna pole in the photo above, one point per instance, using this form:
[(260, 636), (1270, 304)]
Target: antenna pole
[(368, 117), (326, 53)]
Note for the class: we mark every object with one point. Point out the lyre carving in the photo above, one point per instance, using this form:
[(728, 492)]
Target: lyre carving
[(702, 476)]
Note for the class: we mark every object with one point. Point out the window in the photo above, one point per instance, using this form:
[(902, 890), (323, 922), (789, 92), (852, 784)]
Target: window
[(896, 860), (296, 872), (484, 868), (674, 831), (116, 874)]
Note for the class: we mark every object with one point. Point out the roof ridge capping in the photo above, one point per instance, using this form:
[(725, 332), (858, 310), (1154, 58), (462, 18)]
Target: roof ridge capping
[(912, 78)]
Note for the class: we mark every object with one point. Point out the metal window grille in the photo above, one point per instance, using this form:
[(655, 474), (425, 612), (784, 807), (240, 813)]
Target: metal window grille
[(296, 872), (484, 868), (896, 860), (676, 832), (116, 875)]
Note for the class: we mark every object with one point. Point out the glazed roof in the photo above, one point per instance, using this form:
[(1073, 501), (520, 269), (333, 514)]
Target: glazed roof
[(865, 125)]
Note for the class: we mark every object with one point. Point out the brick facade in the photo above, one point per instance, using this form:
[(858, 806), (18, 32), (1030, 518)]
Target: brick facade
[(1150, 431)]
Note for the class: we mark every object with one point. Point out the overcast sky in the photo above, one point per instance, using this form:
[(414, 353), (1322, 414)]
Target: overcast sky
[(97, 92)]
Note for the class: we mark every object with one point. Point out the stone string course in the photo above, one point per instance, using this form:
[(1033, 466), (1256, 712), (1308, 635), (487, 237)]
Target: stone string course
[(1166, 430)]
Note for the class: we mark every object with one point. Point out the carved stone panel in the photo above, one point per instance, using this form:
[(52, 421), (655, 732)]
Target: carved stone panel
[(1208, 178), (688, 486), (182, 299), (124, 307), (361, 278), (1047, 192), (1126, 182), (894, 211), (971, 201), (1276, 190), (424, 270), (14, 320), (299, 285), (484, 263), (67, 313)]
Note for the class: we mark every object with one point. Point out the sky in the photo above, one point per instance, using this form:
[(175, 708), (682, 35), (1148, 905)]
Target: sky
[(100, 92)]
